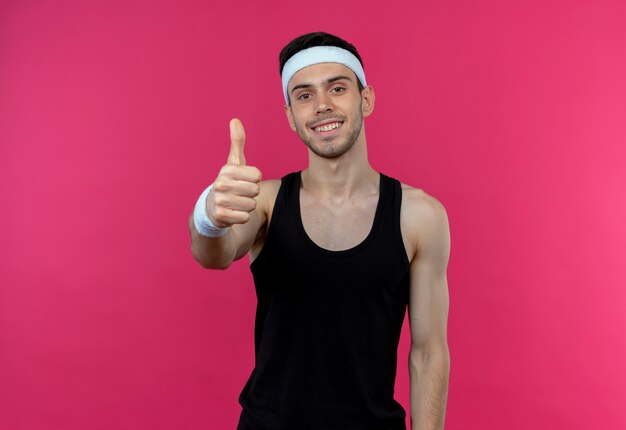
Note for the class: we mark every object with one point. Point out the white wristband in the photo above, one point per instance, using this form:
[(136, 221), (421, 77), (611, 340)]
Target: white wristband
[(202, 222)]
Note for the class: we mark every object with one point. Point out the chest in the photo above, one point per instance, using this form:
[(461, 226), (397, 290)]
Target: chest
[(338, 225)]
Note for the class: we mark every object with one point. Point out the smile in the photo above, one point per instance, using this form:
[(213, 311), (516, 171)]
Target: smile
[(328, 127)]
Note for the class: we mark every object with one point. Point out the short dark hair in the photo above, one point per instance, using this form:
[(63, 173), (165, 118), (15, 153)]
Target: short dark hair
[(310, 40)]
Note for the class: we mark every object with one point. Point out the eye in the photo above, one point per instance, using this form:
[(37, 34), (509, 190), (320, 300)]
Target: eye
[(338, 89), (304, 96)]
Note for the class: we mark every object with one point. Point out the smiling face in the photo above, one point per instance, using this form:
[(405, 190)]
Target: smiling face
[(327, 108)]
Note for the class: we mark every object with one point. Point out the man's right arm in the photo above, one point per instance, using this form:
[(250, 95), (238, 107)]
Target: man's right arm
[(232, 203)]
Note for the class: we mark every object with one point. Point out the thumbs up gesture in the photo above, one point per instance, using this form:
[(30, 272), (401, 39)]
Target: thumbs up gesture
[(232, 197)]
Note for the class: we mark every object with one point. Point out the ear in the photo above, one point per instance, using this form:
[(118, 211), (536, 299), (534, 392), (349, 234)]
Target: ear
[(367, 98), (292, 123)]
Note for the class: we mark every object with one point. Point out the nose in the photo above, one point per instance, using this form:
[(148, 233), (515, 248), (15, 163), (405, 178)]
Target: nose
[(324, 104)]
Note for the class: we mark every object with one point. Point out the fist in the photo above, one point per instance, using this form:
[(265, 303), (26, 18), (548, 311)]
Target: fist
[(234, 192)]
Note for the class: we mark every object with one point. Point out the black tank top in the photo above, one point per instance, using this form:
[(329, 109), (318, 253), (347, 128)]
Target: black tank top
[(327, 323)]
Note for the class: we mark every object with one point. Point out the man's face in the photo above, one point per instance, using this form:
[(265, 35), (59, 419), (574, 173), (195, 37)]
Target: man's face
[(327, 108)]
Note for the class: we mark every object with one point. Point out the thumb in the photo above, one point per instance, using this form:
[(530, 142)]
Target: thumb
[(237, 139)]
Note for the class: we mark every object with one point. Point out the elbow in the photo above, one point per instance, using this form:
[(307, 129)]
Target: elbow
[(214, 266), (220, 266), (432, 362), (211, 264), (438, 352)]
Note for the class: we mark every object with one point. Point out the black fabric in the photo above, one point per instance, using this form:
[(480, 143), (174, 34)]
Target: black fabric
[(327, 323)]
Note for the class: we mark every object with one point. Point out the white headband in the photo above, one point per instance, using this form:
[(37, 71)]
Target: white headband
[(317, 55)]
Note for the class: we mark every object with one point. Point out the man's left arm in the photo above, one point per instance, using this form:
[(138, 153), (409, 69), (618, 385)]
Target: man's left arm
[(429, 358)]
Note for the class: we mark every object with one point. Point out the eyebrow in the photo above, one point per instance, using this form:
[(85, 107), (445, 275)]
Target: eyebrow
[(327, 81)]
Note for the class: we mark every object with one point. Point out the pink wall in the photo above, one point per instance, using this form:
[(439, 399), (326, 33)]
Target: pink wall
[(114, 117)]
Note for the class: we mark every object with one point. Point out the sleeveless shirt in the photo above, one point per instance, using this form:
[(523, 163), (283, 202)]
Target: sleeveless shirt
[(327, 323)]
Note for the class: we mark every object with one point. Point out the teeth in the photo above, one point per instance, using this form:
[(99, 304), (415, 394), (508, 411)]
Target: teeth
[(328, 127)]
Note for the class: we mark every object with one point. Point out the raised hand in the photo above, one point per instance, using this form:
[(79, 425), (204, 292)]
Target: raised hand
[(232, 197)]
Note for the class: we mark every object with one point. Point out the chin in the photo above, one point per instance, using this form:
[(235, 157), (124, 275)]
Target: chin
[(330, 151)]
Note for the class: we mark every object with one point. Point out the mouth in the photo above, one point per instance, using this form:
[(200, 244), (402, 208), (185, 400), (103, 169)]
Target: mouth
[(327, 128)]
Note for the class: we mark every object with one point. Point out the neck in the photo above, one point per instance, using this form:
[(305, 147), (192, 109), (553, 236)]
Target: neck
[(341, 177)]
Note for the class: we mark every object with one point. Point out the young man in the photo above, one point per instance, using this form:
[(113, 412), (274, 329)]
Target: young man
[(337, 253)]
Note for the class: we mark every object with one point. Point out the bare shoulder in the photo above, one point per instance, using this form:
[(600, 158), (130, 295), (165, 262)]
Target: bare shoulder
[(265, 201), (268, 192), (270, 186), (265, 208), (416, 201), (423, 219)]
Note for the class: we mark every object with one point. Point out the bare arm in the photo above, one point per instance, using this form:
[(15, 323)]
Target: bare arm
[(429, 358), (221, 252), (235, 201)]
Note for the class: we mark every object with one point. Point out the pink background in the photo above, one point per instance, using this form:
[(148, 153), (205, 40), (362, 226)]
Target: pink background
[(114, 117)]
